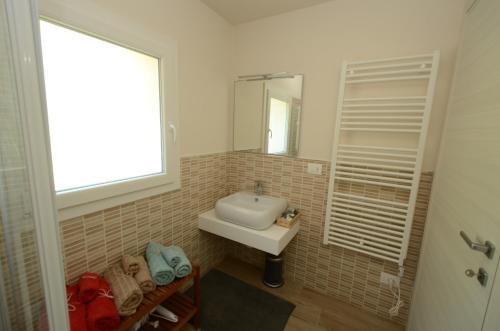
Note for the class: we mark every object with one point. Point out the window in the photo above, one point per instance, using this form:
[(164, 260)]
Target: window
[(111, 123)]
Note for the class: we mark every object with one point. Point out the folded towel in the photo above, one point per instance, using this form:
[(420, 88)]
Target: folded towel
[(161, 272), (76, 309), (72, 292), (172, 255), (143, 277), (130, 264), (89, 284), (101, 312), (178, 260), (126, 292), (184, 267)]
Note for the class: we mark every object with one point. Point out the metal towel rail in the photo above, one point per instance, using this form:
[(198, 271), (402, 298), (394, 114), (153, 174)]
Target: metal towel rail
[(393, 129)]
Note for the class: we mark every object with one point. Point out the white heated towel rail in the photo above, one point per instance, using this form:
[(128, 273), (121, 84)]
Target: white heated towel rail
[(385, 104)]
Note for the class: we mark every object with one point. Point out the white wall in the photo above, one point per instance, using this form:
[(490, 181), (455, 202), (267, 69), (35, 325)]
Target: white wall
[(204, 42), (314, 41)]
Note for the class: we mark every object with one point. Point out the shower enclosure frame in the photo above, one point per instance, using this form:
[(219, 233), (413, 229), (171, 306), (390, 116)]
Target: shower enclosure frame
[(24, 36)]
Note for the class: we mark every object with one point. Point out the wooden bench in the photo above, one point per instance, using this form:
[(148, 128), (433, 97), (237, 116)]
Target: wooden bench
[(168, 296)]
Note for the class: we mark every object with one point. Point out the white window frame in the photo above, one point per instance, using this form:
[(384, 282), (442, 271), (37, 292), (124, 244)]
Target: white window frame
[(82, 201)]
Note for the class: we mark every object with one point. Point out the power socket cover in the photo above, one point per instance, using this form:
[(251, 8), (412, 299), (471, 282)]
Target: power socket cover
[(386, 279)]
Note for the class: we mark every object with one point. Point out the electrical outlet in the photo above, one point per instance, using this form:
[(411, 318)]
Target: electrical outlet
[(314, 168), (387, 279)]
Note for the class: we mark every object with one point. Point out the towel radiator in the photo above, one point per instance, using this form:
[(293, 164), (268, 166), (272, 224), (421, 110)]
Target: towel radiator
[(381, 127)]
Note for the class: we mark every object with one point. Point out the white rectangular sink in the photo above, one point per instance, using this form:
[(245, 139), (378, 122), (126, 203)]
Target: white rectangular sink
[(250, 210), (272, 240)]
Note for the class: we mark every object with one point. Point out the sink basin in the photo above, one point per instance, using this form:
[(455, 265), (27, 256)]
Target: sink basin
[(250, 210)]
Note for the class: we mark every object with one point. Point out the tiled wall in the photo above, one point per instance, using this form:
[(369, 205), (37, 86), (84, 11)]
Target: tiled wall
[(347, 275), (94, 241)]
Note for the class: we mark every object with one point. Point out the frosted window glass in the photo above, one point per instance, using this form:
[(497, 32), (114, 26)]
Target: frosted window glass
[(104, 109), (278, 126)]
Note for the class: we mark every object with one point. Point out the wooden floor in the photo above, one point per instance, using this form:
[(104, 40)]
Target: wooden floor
[(313, 311)]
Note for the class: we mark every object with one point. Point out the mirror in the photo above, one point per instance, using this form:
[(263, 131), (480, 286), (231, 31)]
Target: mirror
[(267, 112)]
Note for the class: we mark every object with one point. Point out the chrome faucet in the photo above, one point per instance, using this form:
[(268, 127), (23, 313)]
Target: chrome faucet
[(259, 187)]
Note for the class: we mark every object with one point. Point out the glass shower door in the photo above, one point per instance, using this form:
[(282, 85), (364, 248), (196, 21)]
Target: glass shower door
[(31, 277)]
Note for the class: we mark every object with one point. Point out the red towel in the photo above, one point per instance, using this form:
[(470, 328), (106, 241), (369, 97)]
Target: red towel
[(89, 284), (76, 309), (102, 314)]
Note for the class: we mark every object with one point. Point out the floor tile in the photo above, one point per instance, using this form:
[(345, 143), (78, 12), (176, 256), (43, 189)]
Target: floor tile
[(314, 311)]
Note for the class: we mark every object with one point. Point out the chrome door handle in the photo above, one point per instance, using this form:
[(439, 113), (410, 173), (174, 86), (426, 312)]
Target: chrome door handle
[(487, 248)]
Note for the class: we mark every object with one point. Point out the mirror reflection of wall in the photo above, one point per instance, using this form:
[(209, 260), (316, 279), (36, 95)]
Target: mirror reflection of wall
[(267, 114)]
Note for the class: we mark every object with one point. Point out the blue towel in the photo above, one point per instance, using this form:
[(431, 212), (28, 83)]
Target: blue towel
[(172, 255), (161, 272), (183, 268), (177, 259)]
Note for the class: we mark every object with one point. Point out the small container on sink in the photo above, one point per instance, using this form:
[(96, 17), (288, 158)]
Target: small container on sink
[(288, 218)]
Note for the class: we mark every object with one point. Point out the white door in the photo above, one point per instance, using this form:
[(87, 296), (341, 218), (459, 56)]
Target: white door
[(466, 191)]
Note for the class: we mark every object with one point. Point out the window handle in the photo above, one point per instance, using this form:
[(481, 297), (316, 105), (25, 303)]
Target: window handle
[(174, 131)]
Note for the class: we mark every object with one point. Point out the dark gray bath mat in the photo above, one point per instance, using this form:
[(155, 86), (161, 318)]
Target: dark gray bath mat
[(228, 304)]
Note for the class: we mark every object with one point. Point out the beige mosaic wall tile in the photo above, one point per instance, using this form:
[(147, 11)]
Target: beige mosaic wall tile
[(19, 262), (350, 276), (32, 274), (92, 242), (8, 285), (21, 278)]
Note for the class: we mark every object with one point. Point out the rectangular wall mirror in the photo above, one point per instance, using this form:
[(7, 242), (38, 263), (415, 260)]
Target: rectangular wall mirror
[(267, 111)]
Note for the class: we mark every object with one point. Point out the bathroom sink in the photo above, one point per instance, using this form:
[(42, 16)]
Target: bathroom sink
[(250, 210)]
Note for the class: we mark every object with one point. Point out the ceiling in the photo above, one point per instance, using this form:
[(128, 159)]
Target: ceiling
[(240, 11)]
